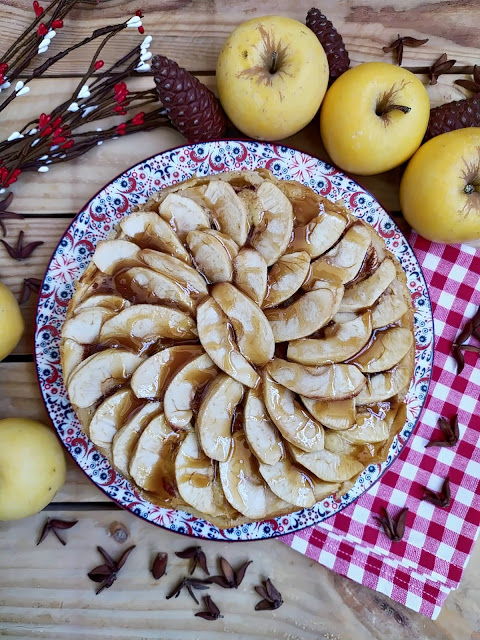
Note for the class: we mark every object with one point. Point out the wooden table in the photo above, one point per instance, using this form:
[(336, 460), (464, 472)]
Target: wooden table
[(44, 591)]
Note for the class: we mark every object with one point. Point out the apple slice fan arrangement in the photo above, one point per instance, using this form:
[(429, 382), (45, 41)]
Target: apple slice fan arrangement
[(263, 328)]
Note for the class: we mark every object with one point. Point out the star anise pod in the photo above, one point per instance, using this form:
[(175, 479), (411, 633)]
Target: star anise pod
[(189, 584), (450, 431), (394, 530), (21, 251), (441, 499), (442, 65), (272, 598), (198, 558), (212, 613), (7, 215), (471, 328), (403, 41), (231, 579), (107, 573), (30, 285), (54, 525), (471, 85), (159, 565)]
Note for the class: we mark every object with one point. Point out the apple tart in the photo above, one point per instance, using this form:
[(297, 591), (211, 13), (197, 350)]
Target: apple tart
[(240, 347)]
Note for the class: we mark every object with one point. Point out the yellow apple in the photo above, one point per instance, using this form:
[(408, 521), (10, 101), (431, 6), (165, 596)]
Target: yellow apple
[(12, 325), (272, 74), (32, 467), (374, 117), (440, 189)]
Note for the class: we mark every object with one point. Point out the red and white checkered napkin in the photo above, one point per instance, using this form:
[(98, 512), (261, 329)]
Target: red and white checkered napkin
[(420, 570)]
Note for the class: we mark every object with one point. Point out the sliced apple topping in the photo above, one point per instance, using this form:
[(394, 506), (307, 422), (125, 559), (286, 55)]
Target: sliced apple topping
[(295, 424), (72, 356), (241, 179), (328, 466), (149, 322), (286, 277), (382, 386), (387, 349), (341, 341), (176, 269), (337, 444), (215, 416), (250, 274), (107, 301), (108, 418), (111, 255), (365, 293), (183, 214), (334, 414), (150, 378), (150, 230), (148, 285), (253, 205), (328, 382), (85, 326), (368, 428), (184, 386), (289, 483), (213, 253), (216, 336), (273, 233), (323, 489), (99, 374), (318, 235), (253, 332), (391, 306), (262, 435), (228, 210), (312, 311)]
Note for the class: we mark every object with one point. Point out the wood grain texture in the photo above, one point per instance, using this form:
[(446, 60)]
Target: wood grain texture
[(192, 32), (44, 591)]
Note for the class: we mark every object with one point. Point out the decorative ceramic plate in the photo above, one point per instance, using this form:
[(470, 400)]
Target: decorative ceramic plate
[(95, 221)]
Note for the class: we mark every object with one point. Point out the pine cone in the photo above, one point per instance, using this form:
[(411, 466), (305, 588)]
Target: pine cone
[(190, 106), (331, 41), (454, 115)]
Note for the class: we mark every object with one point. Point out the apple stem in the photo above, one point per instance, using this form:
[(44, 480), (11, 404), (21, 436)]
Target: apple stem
[(469, 188), (273, 66), (396, 107)]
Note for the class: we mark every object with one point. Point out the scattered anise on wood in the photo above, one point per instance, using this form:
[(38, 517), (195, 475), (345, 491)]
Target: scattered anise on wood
[(394, 530), (159, 565), (212, 613), (189, 584), (198, 558), (272, 598), (441, 499), (30, 285), (450, 431), (398, 44), (7, 215), (21, 251), (54, 525), (107, 573), (442, 65), (471, 85), (231, 579), (471, 328)]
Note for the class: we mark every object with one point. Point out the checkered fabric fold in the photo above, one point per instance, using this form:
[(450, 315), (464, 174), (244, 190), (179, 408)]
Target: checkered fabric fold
[(421, 570)]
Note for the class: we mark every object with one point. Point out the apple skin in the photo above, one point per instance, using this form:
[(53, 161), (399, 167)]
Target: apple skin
[(12, 324), (355, 137), (432, 191), (32, 467), (264, 105)]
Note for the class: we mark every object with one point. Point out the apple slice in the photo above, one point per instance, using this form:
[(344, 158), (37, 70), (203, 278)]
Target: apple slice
[(125, 439), (323, 489), (365, 293), (174, 268), (213, 253), (240, 179), (150, 378), (291, 420), (387, 349), (337, 444), (253, 205), (250, 274), (341, 341), (286, 277), (382, 386), (273, 233), (184, 386), (215, 415), (321, 233), (367, 429), (391, 306), (108, 418), (308, 314), (217, 339), (85, 327), (344, 261), (328, 382), (149, 322), (183, 214), (328, 466), (112, 255), (253, 332), (289, 483), (106, 301), (334, 414), (228, 210), (150, 286), (150, 230), (72, 356), (99, 374), (262, 436)]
